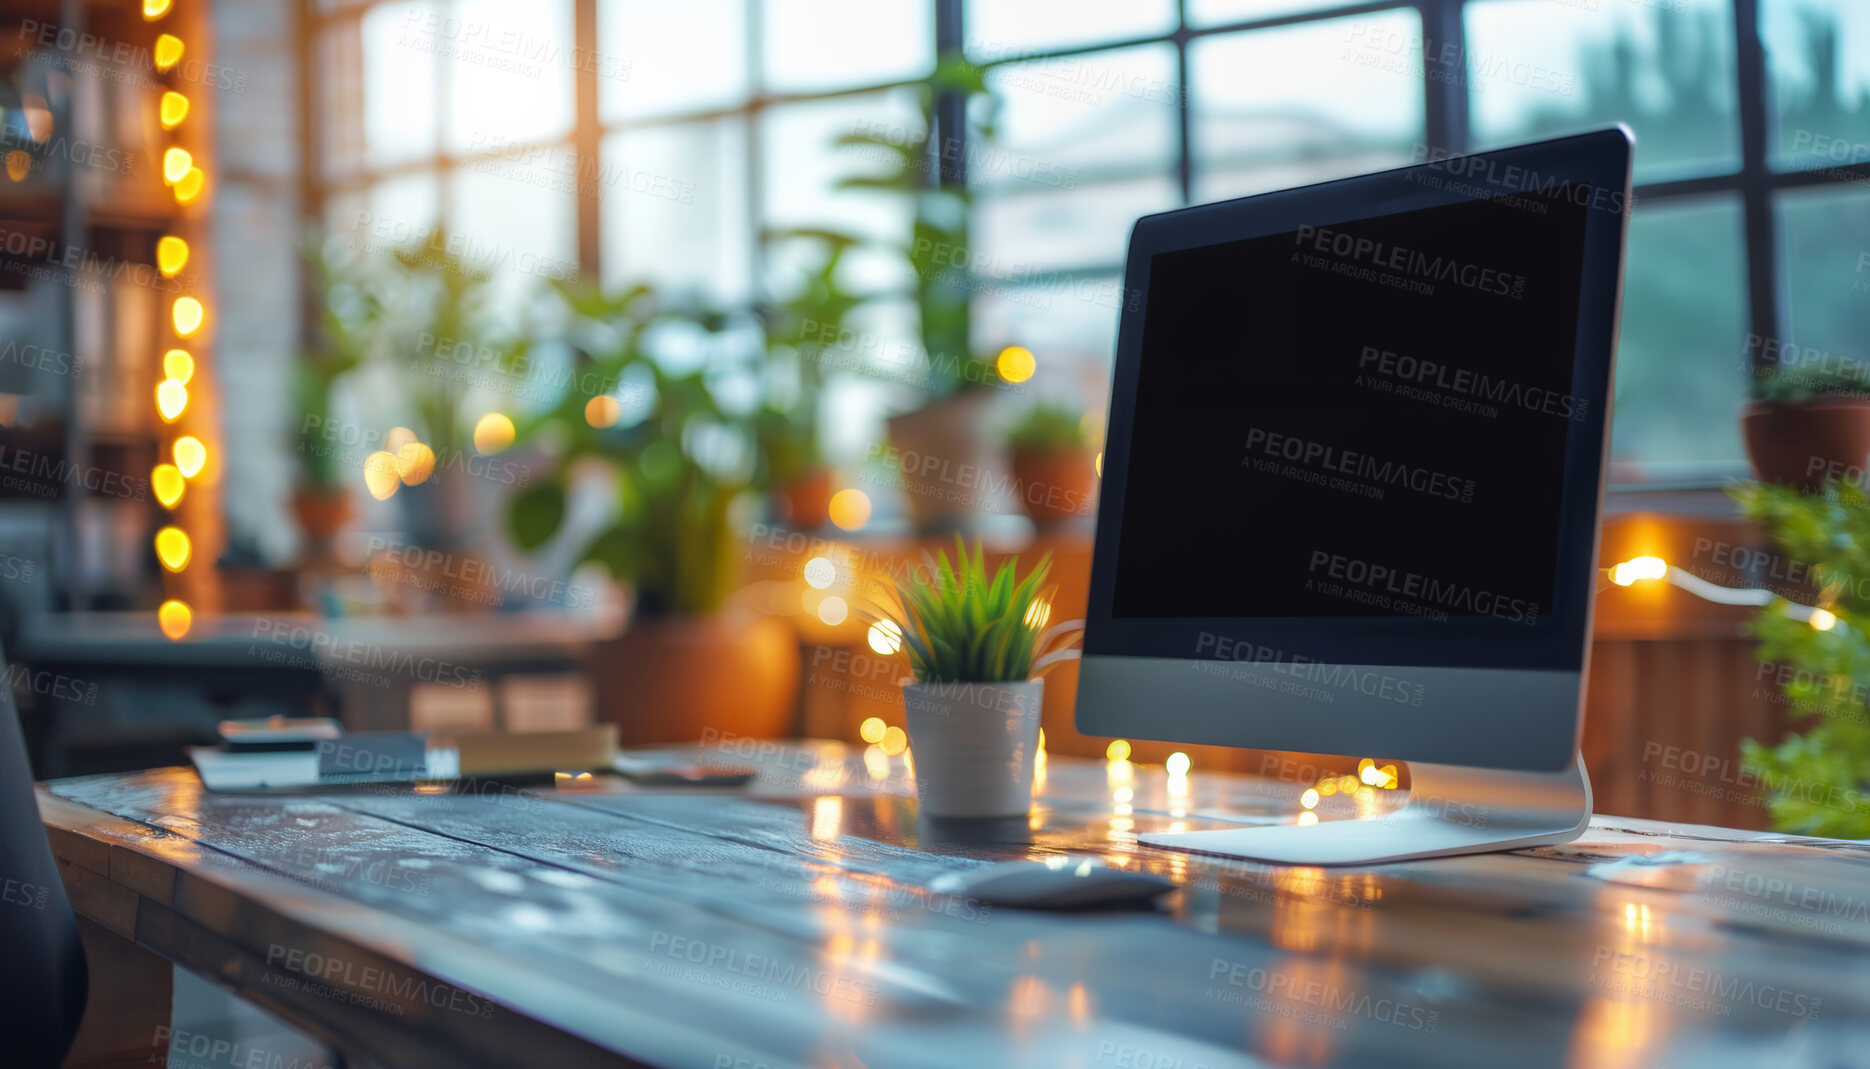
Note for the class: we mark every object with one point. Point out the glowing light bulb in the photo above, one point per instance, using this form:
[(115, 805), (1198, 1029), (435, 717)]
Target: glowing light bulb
[(833, 610), (171, 255), (171, 399), (1638, 568), (1037, 614), (190, 455), (1118, 750), (872, 729), (175, 618), (176, 162), (380, 475), (886, 637), (895, 741), (1016, 363), (1309, 799), (603, 411), (168, 51), (1099, 463), (493, 433), (189, 186), (173, 548), (167, 483), (1824, 619), (155, 9), (1177, 764), (178, 365), (173, 110), (398, 437), (415, 462), (187, 316), (18, 164), (850, 508), (820, 573)]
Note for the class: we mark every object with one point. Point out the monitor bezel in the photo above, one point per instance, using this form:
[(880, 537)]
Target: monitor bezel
[(1559, 642)]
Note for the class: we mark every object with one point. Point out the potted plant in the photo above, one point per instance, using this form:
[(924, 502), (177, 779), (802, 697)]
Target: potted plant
[(973, 710), (1054, 466), (1802, 426), (1817, 780), (321, 496), (943, 447), (681, 461)]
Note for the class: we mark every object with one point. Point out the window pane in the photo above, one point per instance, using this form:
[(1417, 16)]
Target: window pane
[(397, 81), (1536, 68), (1680, 381), (997, 29), (678, 215), (1323, 100), (1825, 238), (661, 58), (1818, 56), (1069, 324), (1020, 233), (1211, 12), (508, 71), (1065, 119), (802, 165), (516, 221), (836, 44)]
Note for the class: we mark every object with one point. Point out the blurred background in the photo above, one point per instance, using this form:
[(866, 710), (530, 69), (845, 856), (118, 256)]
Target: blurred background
[(487, 364)]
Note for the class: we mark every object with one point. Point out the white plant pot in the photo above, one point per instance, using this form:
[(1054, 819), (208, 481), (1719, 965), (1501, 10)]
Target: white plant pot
[(974, 745)]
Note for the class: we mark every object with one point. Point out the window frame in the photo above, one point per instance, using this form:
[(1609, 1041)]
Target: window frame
[(1444, 91)]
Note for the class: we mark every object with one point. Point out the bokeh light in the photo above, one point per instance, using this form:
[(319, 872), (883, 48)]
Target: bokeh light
[(493, 433), (850, 508)]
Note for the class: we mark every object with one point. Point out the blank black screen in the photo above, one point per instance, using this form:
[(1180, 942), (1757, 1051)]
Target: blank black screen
[(1357, 420)]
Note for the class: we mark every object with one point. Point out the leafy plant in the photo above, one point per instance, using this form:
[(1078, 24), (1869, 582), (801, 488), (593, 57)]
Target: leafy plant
[(1818, 781), (1779, 386), (963, 626), (680, 454), (1047, 428), (927, 167)]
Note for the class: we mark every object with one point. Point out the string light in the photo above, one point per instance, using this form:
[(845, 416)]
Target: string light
[(187, 316), (1641, 568), (167, 53), (190, 455), (173, 109), (166, 480), (173, 548), (155, 9), (176, 162), (171, 255), (175, 618)]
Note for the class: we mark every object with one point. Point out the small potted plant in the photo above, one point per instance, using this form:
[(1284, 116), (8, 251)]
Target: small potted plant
[(1805, 426), (1054, 466), (973, 709)]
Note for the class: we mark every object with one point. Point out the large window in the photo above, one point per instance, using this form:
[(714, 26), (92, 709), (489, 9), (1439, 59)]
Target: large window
[(635, 140)]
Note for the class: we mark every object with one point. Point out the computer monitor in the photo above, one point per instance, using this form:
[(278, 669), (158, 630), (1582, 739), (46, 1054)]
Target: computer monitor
[(1351, 489)]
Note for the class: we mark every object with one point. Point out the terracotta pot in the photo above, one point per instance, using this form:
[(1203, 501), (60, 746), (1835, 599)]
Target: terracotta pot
[(975, 746), (323, 513), (697, 679), (1805, 442), (1056, 486), (805, 502), (951, 472)]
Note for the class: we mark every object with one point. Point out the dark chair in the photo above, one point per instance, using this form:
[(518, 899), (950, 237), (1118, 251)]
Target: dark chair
[(42, 975)]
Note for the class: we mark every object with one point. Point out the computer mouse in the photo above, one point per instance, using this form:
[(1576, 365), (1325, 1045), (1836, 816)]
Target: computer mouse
[(1056, 883)]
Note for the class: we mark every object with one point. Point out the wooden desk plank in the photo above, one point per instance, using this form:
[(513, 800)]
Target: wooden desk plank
[(817, 947)]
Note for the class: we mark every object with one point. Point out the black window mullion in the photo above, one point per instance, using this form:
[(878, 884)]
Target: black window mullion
[(1755, 179), (1185, 106), (1444, 75)]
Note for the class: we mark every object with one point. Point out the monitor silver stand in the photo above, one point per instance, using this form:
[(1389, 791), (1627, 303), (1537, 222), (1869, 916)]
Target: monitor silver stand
[(1451, 809)]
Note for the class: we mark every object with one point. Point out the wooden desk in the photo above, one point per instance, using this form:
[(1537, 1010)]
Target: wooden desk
[(788, 928)]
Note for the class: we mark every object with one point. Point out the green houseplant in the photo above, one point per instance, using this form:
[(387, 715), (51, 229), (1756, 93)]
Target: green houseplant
[(651, 413), (1054, 466), (1817, 781), (973, 639), (1802, 425)]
